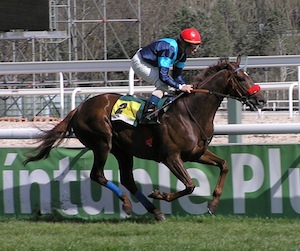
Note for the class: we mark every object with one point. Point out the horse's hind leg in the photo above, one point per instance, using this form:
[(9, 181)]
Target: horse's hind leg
[(211, 159), (97, 175), (126, 175)]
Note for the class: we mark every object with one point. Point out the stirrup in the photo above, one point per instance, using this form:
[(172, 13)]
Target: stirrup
[(146, 120), (150, 118)]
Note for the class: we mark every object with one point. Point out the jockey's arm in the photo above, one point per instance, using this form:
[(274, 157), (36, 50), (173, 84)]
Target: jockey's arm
[(166, 79), (177, 76), (178, 83)]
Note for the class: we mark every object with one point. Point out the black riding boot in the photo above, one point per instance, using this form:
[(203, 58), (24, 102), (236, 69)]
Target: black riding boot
[(150, 116)]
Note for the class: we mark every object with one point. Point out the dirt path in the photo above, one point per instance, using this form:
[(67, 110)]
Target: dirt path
[(264, 118)]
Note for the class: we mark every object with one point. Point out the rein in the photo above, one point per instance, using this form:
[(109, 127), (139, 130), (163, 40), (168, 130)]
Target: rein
[(207, 139), (242, 98)]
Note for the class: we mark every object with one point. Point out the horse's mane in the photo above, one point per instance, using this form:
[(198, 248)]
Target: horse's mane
[(222, 64)]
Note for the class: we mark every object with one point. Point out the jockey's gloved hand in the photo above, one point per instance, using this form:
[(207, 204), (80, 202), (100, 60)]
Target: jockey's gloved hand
[(186, 88)]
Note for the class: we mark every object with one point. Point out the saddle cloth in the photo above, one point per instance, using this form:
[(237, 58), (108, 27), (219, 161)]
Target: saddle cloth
[(129, 109)]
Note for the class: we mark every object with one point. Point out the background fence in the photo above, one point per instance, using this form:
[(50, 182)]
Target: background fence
[(40, 100)]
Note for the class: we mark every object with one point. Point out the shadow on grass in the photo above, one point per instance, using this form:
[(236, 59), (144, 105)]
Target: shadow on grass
[(58, 218), (145, 219), (137, 219)]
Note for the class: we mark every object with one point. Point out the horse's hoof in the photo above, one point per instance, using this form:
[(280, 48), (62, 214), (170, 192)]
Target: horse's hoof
[(127, 207), (211, 209), (159, 216), (154, 194), (127, 210)]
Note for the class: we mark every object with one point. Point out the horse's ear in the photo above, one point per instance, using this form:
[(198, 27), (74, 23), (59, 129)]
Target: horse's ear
[(238, 59)]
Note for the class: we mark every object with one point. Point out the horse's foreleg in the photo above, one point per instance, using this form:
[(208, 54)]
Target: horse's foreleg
[(176, 166), (127, 180), (211, 159)]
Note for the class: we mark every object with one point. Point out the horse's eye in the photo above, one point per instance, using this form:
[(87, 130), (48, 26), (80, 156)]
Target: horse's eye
[(238, 78)]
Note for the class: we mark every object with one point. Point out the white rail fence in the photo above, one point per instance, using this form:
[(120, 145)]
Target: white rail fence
[(124, 65), (230, 129)]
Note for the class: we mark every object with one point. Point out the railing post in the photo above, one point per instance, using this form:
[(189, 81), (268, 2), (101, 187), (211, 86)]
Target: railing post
[(131, 81), (291, 88), (73, 98), (299, 89), (62, 100), (234, 117)]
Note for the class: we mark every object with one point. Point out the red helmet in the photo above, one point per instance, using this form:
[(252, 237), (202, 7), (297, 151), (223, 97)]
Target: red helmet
[(191, 35)]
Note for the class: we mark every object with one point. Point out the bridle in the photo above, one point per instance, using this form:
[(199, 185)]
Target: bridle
[(244, 93), (244, 99)]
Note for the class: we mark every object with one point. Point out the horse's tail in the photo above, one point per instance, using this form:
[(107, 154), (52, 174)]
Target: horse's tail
[(52, 137)]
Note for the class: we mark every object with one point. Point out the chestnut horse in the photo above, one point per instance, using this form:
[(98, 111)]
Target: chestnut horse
[(184, 133)]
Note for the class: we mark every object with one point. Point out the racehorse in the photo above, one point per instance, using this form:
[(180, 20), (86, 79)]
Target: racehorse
[(183, 134)]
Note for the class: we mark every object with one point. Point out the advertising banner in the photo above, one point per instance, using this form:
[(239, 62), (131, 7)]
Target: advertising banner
[(263, 180)]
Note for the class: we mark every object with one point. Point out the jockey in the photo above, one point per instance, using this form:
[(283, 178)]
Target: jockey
[(152, 63)]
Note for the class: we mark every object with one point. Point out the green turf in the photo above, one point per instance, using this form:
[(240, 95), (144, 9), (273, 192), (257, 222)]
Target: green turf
[(177, 233)]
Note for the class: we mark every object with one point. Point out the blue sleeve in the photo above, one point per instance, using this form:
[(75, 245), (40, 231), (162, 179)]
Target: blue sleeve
[(165, 78), (180, 80), (177, 75)]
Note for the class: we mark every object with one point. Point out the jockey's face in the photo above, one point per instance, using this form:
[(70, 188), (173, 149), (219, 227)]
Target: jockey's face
[(191, 49), (187, 48)]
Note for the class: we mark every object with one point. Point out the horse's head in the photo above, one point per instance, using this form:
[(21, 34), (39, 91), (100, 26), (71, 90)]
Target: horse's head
[(236, 83), (242, 87)]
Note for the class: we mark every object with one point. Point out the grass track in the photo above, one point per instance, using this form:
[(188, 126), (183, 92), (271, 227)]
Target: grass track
[(177, 233)]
